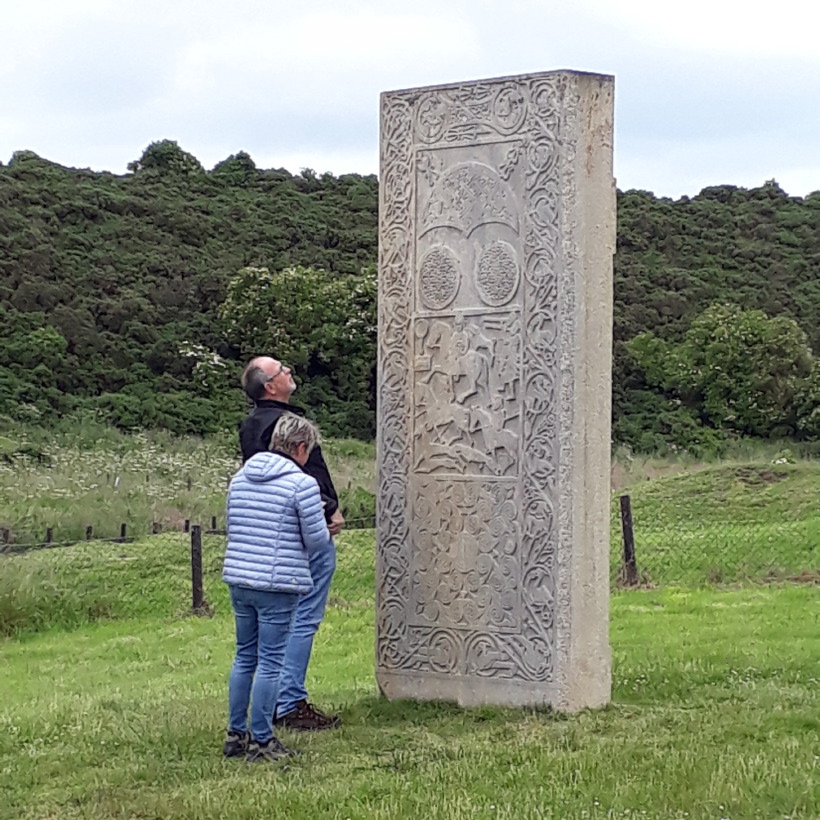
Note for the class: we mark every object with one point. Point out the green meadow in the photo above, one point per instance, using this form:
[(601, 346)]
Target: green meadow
[(112, 705), (113, 696)]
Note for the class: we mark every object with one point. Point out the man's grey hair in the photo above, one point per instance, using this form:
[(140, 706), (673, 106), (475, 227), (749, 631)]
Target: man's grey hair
[(291, 431), (254, 380)]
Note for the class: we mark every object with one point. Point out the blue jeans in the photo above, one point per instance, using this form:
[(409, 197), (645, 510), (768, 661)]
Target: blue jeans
[(309, 614), (263, 624)]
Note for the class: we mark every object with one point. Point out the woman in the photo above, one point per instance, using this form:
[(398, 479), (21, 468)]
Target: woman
[(275, 518)]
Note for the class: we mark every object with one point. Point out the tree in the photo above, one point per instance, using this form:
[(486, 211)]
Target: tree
[(740, 370), (322, 325), (237, 169), (808, 406), (166, 158)]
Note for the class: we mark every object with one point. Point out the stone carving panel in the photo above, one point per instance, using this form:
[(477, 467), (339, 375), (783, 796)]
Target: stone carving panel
[(439, 278), (395, 403), (467, 196), (469, 113), (467, 407), (483, 387), (468, 211), (465, 566), (497, 274)]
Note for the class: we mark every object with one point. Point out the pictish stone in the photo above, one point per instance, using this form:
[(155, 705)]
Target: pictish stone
[(497, 229)]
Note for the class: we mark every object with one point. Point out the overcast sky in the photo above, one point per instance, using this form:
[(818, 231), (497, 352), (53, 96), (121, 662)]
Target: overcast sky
[(708, 92)]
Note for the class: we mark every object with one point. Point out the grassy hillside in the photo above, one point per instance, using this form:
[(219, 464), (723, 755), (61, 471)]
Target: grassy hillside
[(692, 529), (104, 280), (726, 522), (733, 493), (694, 522)]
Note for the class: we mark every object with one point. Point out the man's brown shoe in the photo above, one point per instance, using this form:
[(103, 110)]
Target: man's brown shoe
[(307, 718)]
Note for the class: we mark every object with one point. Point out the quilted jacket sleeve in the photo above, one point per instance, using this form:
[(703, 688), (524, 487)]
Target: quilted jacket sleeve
[(310, 509)]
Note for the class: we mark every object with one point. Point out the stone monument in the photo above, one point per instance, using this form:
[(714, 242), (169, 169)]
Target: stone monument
[(497, 229)]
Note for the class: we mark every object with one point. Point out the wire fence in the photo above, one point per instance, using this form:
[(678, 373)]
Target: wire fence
[(652, 544)]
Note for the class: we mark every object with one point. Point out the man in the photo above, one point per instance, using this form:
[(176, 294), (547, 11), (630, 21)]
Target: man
[(269, 383)]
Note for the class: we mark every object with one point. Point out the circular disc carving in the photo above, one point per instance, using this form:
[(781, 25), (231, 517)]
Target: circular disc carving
[(509, 109), (431, 117), (497, 274), (438, 279)]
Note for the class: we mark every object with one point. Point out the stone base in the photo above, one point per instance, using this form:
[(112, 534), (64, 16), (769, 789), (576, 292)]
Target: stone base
[(470, 691)]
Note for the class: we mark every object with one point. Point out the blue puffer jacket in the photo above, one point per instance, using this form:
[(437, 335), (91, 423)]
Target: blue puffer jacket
[(275, 519)]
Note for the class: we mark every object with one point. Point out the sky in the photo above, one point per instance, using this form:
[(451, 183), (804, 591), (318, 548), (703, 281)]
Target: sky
[(708, 92)]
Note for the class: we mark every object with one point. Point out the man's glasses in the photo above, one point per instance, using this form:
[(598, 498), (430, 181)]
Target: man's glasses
[(280, 370)]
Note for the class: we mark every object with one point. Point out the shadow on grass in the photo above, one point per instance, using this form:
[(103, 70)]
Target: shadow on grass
[(378, 712), (406, 736)]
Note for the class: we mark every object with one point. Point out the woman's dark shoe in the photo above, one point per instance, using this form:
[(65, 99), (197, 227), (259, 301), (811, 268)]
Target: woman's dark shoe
[(236, 743), (270, 750)]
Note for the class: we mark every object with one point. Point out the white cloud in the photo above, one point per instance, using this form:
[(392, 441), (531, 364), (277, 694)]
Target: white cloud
[(707, 92), (788, 27), (318, 59)]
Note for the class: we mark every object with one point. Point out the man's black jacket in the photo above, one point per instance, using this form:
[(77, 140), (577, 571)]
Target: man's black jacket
[(254, 437)]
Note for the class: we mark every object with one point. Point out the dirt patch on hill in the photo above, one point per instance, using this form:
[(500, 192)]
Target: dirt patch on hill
[(621, 476), (753, 476)]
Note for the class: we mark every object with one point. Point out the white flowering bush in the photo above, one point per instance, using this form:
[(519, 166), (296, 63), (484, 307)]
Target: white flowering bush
[(68, 483), (324, 326), (213, 374)]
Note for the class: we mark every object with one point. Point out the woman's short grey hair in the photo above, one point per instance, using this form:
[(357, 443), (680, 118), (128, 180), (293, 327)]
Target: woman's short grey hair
[(291, 431)]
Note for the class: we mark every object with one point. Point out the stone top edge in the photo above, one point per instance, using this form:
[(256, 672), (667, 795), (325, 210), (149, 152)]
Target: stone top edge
[(507, 78)]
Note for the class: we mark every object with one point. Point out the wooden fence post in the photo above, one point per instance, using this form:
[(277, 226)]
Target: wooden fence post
[(89, 531), (187, 525), (197, 593), (630, 562), (49, 535), (213, 522), (123, 530)]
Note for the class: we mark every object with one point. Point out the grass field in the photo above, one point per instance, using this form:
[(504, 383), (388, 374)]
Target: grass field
[(726, 523), (715, 712), (756, 518), (112, 697)]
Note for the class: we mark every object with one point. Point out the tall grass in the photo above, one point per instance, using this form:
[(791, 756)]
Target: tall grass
[(68, 587), (87, 474), (64, 588)]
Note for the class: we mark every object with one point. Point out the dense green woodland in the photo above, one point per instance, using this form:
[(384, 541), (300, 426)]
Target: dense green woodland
[(137, 297)]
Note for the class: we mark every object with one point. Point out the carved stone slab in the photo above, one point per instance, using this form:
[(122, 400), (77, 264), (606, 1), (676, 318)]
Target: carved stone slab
[(497, 228)]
